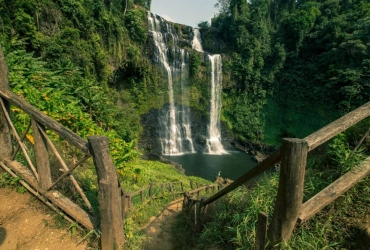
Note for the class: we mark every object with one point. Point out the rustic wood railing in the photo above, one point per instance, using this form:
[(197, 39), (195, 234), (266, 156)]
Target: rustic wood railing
[(193, 203), (293, 156), (31, 160), (164, 190)]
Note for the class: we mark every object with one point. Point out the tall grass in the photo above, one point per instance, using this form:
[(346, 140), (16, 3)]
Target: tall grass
[(233, 223)]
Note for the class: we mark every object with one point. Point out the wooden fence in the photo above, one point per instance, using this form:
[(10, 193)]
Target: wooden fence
[(288, 208), (31, 160), (172, 190), (193, 204)]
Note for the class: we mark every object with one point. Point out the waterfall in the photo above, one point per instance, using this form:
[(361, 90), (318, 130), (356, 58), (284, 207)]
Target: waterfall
[(197, 41), (174, 123), (214, 145)]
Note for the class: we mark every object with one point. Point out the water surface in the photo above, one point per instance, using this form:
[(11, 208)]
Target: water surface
[(231, 165)]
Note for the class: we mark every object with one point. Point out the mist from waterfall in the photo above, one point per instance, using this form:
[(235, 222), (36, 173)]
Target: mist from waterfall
[(174, 123)]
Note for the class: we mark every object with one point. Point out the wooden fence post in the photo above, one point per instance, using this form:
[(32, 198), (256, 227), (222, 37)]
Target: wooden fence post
[(290, 193), (111, 223), (125, 203), (171, 189), (6, 148), (261, 231), (42, 157), (150, 191), (122, 194), (4, 72)]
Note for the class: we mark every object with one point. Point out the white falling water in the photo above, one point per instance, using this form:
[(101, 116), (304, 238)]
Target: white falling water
[(197, 41), (174, 131), (214, 145)]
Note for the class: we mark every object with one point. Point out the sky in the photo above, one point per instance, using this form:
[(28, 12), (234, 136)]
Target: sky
[(189, 12)]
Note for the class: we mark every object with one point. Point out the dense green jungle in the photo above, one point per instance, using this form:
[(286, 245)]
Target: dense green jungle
[(289, 68)]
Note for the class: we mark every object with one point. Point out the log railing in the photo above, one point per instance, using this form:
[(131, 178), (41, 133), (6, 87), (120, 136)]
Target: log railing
[(193, 203), (293, 154), (35, 160), (172, 190)]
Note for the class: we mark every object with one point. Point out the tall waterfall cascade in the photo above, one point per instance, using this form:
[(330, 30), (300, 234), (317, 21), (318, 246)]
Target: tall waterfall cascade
[(214, 145), (174, 123)]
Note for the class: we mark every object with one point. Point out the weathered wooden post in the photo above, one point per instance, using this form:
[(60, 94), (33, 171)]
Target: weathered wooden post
[(171, 189), (151, 191), (125, 203), (290, 193), (142, 196), (6, 148), (111, 223), (42, 157), (261, 231)]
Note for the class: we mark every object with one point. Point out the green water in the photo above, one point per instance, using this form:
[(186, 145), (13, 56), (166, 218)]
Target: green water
[(207, 166)]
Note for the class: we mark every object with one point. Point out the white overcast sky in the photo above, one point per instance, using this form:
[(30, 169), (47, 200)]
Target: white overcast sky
[(189, 12)]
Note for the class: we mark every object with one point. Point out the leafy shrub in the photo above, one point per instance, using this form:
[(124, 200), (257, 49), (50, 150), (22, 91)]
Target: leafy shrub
[(136, 25), (343, 155)]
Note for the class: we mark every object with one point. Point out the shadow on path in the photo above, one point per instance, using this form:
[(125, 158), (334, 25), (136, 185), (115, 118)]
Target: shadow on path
[(2, 235)]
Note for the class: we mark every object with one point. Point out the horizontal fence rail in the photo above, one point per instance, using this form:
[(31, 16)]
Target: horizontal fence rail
[(46, 121), (334, 190), (314, 140), (170, 189)]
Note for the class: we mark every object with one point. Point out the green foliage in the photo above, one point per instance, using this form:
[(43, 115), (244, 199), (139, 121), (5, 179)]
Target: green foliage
[(298, 25), (242, 112), (82, 42), (233, 223), (199, 84), (138, 173), (298, 52), (63, 94), (203, 24), (6, 180), (342, 155), (327, 47), (136, 25), (134, 175), (234, 219), (238, 223), (145, 3), (289, 116)]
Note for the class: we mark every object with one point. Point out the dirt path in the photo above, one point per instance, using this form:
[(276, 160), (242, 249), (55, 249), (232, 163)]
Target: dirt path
[(24, 225), (158, 230)]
